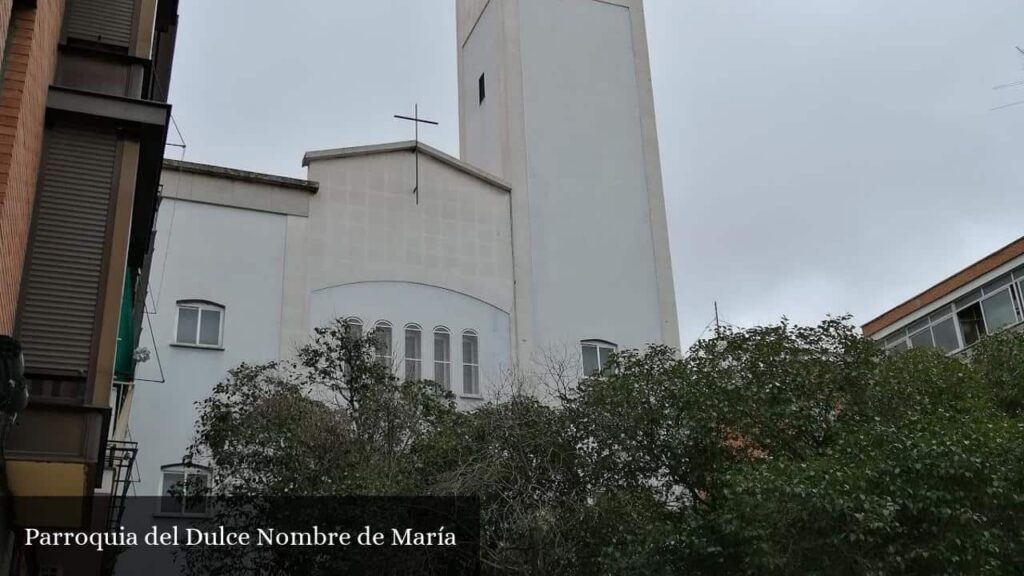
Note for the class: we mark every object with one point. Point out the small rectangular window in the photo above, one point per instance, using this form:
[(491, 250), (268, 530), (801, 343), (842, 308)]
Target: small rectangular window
[(209, 328), (967, 300), (901, 347), (996, 284), (443, 358), (382, 343), (945, 335), (199, 324), (413, 354), (922, 339), (470, 365), (941, 313), (595, 357), (999, 311), (482, 88), (972, 324), (353, 327), (184, 491), (188, 324), (917, 325), (895, 337)]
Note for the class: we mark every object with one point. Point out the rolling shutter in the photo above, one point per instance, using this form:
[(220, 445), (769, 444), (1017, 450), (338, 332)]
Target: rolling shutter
[(58, 315), (105, 21)]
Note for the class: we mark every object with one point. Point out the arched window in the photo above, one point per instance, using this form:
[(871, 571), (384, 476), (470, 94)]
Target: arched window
[(443, 356), (470, 363), (382, 339), (184, 489), (413, 352), (199, 323), (595, 356), (353, 327)]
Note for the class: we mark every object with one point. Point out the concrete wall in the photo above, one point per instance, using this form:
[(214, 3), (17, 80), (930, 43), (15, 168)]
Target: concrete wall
[(373, 252), (366, 249), (486, 126), (403, 303), (230, 256), (365, 225), (581, 153)]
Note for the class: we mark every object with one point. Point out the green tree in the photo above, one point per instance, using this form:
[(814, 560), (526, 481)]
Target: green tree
[(775, 450)]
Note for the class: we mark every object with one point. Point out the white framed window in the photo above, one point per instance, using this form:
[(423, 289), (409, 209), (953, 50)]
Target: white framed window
[(353, 327), (954, 326), (443, 356), (1000, 310), (184, 489), (413, 352), (200, 324), (596, 354), (382, 339), (470, 363)]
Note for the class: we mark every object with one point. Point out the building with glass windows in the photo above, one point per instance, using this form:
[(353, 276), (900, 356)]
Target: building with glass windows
[(83, 125), (978, 301)]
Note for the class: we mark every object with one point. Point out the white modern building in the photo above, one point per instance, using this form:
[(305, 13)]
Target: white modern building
[(546, 239)]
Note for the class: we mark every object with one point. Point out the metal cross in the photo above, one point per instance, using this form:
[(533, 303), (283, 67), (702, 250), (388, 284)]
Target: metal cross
[(416, 120)]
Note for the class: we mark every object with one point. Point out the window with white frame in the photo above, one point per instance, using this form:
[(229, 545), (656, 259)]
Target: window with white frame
[(984, 311), (470, 363), (382, 342), (596, 354), (353, 327), (443, 356), (184, 489), (199, 323), (413, 352)]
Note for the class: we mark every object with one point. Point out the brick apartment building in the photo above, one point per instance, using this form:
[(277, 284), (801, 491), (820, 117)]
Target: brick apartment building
[(983, 299), (83, 125)]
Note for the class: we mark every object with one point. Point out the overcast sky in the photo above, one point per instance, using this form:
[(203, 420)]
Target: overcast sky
[(819, 156)]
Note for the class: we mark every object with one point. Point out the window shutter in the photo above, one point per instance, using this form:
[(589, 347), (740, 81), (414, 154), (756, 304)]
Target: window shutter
[(105, 21), (65, 263)]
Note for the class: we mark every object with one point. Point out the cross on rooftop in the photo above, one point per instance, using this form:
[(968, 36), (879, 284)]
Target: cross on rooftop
[(416, 120)]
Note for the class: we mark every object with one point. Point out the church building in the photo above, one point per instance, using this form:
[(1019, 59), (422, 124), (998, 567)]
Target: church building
[(546, 239)]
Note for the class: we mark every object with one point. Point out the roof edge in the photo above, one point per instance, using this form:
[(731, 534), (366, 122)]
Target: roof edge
[(241, 175), (945, 287), (410, 146)]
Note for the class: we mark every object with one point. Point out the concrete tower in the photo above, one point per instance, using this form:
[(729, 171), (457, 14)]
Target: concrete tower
[(556, 98)]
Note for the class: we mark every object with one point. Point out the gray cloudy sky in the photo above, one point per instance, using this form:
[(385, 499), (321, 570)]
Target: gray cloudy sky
[(820, 156)]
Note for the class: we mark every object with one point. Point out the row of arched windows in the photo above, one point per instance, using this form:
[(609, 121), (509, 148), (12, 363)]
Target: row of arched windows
[(413, 352)]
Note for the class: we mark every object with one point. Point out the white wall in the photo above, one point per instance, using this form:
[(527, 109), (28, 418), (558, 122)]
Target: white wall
[(374, 253), (365, 225), (230, 256), (574, 75), (486, 126), (402, 303)]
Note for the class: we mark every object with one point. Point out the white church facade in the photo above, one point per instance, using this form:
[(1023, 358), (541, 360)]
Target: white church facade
[(547, 237)]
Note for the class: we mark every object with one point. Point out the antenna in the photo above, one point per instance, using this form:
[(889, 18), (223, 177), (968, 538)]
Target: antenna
[(416, 120), (1009, 85)]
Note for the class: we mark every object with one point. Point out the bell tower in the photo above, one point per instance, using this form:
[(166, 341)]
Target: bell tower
[(556, 98)]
